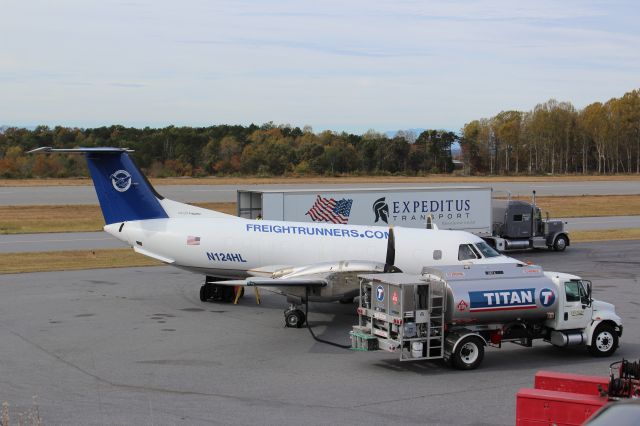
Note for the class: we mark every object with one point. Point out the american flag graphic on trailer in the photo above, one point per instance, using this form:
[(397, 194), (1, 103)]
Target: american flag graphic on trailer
[(330, 210)]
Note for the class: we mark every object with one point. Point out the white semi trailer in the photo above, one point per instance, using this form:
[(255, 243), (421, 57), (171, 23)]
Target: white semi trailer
[(453, 312), (505, 224)]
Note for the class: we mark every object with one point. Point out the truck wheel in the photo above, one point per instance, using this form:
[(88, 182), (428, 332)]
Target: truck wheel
[(469, 353), (604, 341), (560, 243)]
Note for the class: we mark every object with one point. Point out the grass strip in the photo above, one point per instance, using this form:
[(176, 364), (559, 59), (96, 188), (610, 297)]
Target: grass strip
[(14, 263), (66, 218), (588, 205), (605, 235)]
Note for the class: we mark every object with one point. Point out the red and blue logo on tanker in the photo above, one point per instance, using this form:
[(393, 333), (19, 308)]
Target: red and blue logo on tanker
[(547, 297)]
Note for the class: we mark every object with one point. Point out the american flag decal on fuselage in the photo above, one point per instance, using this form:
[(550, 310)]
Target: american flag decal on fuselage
[(330, 210)]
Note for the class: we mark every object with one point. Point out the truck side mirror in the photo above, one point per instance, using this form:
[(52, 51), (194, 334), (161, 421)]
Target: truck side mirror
[(586, 300)]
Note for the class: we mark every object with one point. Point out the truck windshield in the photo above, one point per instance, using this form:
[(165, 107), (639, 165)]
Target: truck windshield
[(487, 250)]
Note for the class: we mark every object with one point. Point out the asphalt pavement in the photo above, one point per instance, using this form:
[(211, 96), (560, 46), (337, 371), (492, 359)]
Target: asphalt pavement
[(136, 346), (227, 193)]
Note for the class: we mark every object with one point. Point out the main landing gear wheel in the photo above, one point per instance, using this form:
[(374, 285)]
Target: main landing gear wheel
[(204, 294), (469, 353), (560, 243), (294, 318), (604, 341), (217, 293)]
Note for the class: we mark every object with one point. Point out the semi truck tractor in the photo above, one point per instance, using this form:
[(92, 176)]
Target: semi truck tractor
[(519, 225), (505, 224), (454, 312)]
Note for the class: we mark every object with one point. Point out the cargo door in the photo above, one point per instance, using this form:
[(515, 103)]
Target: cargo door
[(573, 313)]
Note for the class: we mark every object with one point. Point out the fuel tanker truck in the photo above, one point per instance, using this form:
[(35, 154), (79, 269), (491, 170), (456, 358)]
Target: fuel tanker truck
[(454, 312)]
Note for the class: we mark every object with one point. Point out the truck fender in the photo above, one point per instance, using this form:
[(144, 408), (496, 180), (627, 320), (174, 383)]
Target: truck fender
[(454, 339), (551, 239), (595, 323)]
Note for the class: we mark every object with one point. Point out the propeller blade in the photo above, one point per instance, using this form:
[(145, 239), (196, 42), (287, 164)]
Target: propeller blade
[(391, 252)]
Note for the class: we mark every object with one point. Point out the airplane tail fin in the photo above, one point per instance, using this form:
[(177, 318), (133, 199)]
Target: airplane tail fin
[(123, 191)]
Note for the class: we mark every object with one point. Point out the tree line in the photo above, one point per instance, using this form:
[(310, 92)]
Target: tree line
[(557, 138), (553, 138), (267, 150)]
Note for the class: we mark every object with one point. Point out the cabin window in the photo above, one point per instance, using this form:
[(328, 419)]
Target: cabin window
[(487, 250), (517, 218), (437, 254), (572, 291), (466, 252)]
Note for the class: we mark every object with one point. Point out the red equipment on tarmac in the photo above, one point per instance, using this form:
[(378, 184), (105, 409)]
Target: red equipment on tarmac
[(572, 399)]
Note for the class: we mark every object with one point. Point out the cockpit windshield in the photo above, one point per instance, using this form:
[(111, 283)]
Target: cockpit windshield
[(487, 250)]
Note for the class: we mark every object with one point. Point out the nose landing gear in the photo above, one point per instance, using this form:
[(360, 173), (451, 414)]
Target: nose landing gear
[(294, 317)]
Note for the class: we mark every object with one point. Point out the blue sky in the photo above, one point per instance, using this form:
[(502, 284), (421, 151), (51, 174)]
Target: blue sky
[(339, 65)]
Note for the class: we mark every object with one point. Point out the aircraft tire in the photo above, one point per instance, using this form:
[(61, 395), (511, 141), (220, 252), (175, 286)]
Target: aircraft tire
[(203, 293), (294, 318), (228, 294)]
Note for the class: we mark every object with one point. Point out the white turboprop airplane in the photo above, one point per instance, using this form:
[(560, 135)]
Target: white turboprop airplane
[(303, 261)]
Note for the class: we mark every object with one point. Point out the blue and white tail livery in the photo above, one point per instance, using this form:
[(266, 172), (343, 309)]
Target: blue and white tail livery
[(123, 191)]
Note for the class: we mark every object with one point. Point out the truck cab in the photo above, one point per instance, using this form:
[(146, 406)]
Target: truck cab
[(519, 225), (581, 320)]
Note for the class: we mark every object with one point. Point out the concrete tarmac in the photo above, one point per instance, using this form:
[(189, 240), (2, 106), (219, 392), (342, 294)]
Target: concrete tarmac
[(21, 243), (136, 346), (225, 193)]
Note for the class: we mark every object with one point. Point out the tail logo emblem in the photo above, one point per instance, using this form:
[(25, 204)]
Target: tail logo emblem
[(121, 180)]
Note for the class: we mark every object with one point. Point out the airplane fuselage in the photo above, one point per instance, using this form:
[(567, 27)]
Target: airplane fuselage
[(230, 247)]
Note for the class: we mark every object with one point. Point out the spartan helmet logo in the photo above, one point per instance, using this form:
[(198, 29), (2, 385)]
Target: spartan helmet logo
[(381, 209), (121, 180)]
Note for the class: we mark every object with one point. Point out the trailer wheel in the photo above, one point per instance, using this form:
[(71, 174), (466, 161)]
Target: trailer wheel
[(560, 243), (469, 353), (604, 341)]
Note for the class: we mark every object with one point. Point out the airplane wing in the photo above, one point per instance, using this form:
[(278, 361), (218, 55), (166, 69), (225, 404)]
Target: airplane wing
[(334, 278), (268, 271), (275, 282)]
